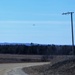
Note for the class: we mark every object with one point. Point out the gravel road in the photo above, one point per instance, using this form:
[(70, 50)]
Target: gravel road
[(15, 68)]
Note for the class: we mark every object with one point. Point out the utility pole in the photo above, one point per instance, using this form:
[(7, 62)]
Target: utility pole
[(71, 13)]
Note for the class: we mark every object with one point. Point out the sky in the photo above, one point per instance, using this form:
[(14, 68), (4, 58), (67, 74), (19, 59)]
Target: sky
[(36, 21)]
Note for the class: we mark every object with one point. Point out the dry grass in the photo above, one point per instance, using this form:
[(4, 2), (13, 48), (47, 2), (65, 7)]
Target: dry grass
[(10, 58)]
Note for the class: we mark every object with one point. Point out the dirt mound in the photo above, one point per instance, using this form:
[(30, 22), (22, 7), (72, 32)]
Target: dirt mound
[(66, 67)]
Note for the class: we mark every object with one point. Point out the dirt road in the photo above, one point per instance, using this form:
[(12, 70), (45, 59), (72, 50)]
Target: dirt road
[(15, 68)]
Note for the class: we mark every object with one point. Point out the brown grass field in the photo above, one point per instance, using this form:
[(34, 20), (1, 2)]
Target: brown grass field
[(13, 58)]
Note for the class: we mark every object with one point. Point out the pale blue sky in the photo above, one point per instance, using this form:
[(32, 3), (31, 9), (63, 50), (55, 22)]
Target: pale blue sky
[(37, 21)]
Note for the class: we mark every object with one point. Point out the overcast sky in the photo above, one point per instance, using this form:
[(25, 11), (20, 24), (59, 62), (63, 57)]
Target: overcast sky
[(36, 21)]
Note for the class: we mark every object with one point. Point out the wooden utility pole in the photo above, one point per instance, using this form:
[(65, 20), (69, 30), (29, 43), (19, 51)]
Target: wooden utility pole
[(71, 13)]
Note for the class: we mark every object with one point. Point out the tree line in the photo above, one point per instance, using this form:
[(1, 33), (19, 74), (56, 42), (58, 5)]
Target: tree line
[(36, 49)]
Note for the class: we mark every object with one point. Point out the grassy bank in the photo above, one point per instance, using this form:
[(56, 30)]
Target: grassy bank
[(66, 67)]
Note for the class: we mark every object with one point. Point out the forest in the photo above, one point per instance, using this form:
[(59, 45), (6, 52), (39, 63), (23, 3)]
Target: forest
[(36, 49)]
